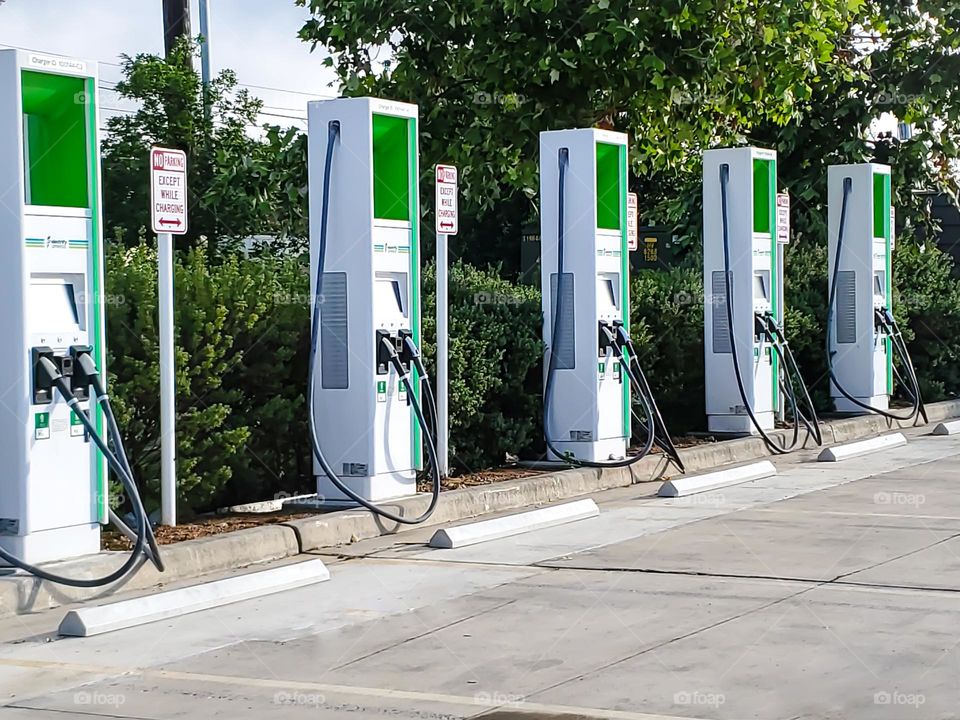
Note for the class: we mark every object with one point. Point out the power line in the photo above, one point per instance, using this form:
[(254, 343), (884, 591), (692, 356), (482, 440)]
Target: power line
[(320, 96)]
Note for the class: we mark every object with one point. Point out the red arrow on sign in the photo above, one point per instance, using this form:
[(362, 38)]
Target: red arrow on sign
[(446, 224), (164, 221)]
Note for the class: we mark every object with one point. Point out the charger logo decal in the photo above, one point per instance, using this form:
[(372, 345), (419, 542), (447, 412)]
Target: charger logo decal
[(56, 244)]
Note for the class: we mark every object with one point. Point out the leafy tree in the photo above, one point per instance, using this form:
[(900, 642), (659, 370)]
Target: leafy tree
[(898, 58), (679, 76), (243, 182)]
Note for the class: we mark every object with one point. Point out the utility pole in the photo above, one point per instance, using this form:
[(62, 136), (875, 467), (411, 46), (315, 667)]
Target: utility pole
[(176, 23), (205, 54)]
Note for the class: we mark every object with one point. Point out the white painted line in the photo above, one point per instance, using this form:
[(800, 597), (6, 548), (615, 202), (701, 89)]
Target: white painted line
[(947, 428), (681, 486), (846, 451), (478, 532), (173, 603)]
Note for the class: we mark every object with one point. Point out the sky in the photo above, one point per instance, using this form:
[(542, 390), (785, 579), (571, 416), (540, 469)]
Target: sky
[(255, 38)]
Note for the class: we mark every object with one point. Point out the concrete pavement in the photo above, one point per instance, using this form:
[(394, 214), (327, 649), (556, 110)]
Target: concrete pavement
[(827, 591)]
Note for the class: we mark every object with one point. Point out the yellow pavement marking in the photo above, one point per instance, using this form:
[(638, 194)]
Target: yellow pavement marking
[(481, 699)]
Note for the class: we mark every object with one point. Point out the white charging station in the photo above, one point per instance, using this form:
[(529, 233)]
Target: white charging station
[(589, 404), (751, 190), (54, 494), (862, 360), (371, 289)]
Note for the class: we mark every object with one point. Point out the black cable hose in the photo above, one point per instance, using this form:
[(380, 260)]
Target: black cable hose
[(113, 429), (639, 378), (114, 432), (785, 353), (431, 403), (917, 404), (333, 135), (564, 161), (665, 442), (128, 484), (896, 337), (772, 445), (786, 385), (903, 382), (639, 381), (787, 388)]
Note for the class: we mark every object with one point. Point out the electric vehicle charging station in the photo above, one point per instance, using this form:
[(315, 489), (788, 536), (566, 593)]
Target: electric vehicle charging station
[(747, 361), (590, 400), (862, 334), (586, 299), (366, 373), (55, 496), (754, 270), (862, 363)]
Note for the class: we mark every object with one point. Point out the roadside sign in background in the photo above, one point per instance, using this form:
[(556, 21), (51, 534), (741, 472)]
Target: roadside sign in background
[(448, 215), (783, 218), (632, 237), (168, 191)]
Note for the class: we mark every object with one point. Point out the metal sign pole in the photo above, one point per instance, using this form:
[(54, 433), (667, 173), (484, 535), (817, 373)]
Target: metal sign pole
[(168, 216), (443, 355), (448, 224), (168, 401)]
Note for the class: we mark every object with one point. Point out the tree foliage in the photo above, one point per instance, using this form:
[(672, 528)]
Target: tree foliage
[(244, 180), (679, 76)]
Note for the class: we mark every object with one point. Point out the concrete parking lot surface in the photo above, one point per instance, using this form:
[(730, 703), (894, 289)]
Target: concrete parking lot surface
[(826, 591)]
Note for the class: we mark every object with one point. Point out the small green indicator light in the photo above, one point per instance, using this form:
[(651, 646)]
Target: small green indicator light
[(41, 426)]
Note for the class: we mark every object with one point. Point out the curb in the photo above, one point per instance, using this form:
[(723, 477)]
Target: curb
[(687, 485), (195, 558)]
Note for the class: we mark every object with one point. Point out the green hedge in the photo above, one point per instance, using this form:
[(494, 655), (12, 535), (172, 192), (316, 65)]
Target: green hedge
[(666, 323), (495, 364), (927, 302), (242, 333), (926, 305), (242, 351)]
